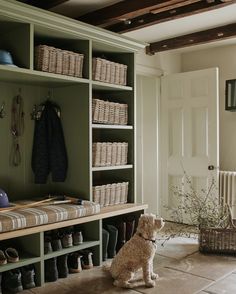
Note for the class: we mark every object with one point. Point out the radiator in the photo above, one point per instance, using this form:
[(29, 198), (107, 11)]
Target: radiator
[(227, 187)]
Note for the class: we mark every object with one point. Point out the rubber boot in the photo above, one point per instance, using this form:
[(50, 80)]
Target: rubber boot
[(113, 235), (130, 229), (62, 266), (121, 235), (87, 260), (105, 240)]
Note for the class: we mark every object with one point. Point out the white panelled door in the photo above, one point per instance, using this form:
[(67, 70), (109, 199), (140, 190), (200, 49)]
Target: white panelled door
[(188, 131)]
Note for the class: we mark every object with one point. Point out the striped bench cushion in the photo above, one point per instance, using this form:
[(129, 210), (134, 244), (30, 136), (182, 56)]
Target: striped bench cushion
[(42, 215)]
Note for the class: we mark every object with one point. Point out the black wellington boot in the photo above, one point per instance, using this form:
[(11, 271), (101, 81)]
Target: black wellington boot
[(51, 272), (130, 229), (121, 235), (62, 266), (105, 240), (113, 235)]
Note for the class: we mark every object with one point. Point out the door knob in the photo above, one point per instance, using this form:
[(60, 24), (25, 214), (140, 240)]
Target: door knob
[(211, 167)]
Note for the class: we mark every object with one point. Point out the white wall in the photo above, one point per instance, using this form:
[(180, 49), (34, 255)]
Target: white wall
[(169, 62), (149, 68), (147, 141), (159, 64), (225, 59)]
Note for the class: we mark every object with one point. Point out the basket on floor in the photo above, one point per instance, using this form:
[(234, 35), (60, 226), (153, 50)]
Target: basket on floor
[(219, 240)]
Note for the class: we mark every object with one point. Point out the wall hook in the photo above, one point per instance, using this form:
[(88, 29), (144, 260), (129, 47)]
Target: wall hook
[(2, 110)]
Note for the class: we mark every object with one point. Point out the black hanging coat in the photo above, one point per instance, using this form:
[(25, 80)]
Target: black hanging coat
[(49, 150)]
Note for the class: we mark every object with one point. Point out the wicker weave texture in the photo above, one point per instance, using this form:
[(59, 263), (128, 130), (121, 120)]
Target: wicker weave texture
[(219, 240), (55, 60), (110, 154), (111, 194), (106, 112), (109, 72)]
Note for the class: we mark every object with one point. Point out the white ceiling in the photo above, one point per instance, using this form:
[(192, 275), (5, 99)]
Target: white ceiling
[(186, 25), (165, 30)]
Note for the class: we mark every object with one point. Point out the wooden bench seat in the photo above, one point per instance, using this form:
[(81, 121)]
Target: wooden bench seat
[(105, 212), (23, 218)]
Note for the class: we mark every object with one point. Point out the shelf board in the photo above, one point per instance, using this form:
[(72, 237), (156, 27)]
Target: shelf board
[(24, 260), (117, 127), (28, 76), (101, 168), (109, 87), (84, 245)]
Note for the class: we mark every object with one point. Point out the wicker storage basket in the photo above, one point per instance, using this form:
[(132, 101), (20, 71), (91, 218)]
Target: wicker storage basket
[(110, 154), (110, 72), (219, 240), (109, 112), (55, 60), (111, 194)]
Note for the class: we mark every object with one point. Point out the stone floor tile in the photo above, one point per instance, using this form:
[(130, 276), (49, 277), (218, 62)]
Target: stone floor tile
[(211, 267), (162, 261), (224, 286), (178, 247), (175, 282), (94, 281), (52, 288)]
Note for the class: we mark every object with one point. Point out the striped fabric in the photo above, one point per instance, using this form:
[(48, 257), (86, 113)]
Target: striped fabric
[(41, 215)]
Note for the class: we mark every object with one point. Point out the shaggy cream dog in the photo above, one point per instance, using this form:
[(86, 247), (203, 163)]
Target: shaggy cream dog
[(138, 253)]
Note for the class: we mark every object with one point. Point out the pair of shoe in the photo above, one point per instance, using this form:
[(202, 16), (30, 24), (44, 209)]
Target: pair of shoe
[(16, 280), (109, 241), (74, 262), (56, 240), (80, 260), (52, 241), (71, 237), (87, 259), (10, 255)]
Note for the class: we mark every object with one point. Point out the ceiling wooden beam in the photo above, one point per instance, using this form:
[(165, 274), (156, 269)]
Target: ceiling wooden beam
[(45, 4), (127, 9), (173, 6), (202, 37), (179, 12)]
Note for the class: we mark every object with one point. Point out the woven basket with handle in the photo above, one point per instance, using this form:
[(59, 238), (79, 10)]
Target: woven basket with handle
[(219, 240)]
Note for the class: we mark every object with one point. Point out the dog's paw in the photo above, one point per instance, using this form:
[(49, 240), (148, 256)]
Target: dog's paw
[(122, 284), (154, 276), (150, 284)]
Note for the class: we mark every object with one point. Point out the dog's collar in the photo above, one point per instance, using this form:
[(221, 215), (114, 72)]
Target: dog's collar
[(151, 240)]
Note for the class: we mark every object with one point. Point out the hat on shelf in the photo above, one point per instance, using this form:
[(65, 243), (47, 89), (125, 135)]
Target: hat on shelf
[(4, 202), (6, 58)]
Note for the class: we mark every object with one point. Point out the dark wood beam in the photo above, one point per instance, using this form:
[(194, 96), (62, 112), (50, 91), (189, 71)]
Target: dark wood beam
[(45, 4), (127, 9), (173, 6), (152, 19), (202, 37)]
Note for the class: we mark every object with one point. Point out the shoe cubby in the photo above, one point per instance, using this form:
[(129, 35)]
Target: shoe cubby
[(19, 279), (11, 31), (20, 247), (63, 240)]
